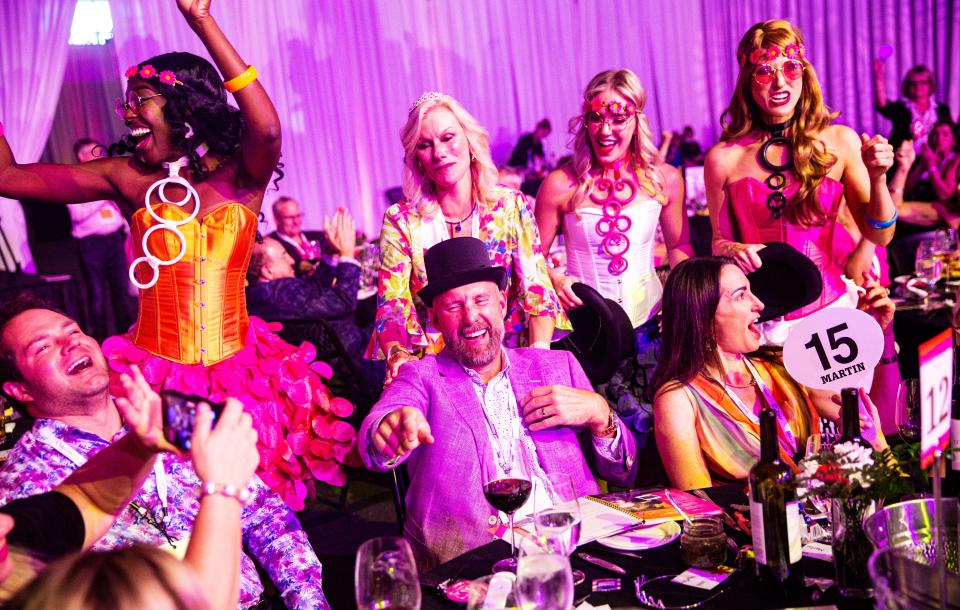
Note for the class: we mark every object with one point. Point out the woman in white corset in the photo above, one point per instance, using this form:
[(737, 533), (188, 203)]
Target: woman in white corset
[(607, 202)]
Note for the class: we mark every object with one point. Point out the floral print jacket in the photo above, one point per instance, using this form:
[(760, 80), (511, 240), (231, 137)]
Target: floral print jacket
[(513, 242), (271, 532)]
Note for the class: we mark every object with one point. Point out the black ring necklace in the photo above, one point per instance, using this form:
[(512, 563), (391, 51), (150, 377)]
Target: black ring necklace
[(776, 200)]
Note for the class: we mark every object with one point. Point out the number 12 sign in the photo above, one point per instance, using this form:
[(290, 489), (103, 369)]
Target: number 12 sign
[(936, 391)]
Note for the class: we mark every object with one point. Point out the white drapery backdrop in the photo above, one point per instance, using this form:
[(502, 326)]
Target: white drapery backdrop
[(33, 53), (343, 74)]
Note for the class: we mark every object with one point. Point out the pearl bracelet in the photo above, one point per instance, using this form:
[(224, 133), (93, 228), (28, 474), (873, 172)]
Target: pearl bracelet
[(541, 344), (240, 494)]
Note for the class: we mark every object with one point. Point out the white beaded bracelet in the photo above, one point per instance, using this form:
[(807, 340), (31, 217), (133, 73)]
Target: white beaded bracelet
[(240, 494), (541, 344)]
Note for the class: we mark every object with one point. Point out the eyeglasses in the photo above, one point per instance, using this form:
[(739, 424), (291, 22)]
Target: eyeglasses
[(291, 217), (133, 102), (595, 120), (765, 73)]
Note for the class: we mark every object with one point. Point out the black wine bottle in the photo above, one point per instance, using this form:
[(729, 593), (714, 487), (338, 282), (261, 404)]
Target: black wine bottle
[(774, 510), (850, 417)]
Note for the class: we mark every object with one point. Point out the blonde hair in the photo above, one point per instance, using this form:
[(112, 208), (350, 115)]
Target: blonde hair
[(419, 190), (811, 161), (644, 154), (124, 579)]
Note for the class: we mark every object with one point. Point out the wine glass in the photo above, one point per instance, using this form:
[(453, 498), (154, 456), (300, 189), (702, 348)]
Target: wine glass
[(907, 414), (506, 486), (544, 578), (928, 264), (556, 516), (386, 575)]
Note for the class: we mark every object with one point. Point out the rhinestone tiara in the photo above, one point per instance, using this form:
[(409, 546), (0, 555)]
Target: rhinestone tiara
[(428, 96)]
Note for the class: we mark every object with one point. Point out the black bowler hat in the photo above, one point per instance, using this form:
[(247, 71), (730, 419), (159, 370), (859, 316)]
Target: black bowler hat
[(456, 262), (786, 281), (602, 334)]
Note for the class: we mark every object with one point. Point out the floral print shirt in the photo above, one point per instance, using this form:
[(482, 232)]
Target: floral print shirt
[(513, 242), (271, 532)]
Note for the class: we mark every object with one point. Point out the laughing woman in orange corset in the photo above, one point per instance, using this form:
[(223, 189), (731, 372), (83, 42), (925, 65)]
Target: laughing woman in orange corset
[(191, 181)]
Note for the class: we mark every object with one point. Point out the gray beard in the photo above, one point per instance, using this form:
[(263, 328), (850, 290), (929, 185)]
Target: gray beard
[(480, 356)]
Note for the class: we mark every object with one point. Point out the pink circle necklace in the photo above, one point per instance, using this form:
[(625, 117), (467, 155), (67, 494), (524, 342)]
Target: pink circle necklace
[(612, 195)]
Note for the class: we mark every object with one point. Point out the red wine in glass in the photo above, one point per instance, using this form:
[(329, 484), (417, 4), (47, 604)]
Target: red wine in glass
[(507, 495)]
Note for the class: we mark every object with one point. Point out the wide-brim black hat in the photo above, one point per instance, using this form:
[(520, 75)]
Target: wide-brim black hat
[(786, 281), (602, 334), (457, 262)]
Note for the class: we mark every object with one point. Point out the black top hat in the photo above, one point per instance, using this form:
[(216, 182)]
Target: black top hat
[(602, 334), (456, 262), (786, 281)]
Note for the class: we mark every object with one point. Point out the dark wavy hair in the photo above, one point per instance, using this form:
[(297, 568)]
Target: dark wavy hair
[(690, 299), (201, 101)]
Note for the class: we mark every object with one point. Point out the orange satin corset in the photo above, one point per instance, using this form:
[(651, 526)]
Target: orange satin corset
[(197, 311)]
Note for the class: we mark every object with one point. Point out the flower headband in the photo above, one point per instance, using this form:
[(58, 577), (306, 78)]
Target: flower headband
[(596, 105), (791, 51), (427, 96), (167, 77)]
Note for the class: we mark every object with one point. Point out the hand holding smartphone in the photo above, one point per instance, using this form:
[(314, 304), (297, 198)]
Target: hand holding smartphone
[(180, 414)]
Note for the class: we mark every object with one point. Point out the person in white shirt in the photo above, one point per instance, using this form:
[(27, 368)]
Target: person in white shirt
[(101, 234)]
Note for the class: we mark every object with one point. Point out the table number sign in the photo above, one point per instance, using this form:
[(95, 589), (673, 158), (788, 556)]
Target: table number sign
[(936, 391), (833, 349)]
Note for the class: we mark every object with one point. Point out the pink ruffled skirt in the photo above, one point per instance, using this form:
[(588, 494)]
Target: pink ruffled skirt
[(301, 435)]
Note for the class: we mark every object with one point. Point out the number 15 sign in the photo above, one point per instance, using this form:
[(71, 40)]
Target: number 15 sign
[(936, 391)]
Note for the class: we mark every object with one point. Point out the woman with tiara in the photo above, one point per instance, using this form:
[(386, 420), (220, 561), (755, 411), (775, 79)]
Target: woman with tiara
[(191, 188), (782, 170), (608, 202), (450, 190)]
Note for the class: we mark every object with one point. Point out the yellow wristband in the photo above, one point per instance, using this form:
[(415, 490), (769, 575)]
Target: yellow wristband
[(241, 80)]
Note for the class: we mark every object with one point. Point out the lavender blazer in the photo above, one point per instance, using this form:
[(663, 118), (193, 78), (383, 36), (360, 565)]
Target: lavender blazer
[(446, 512)]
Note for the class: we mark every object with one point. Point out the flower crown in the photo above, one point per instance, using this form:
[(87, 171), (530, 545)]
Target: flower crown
[(596, 105), (427, 96), (167, 77), (791, 51)]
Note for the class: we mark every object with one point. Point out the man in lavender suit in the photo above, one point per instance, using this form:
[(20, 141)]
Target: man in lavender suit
[(446, 415)]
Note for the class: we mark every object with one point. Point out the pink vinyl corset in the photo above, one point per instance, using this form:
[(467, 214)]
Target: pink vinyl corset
[(748, 201)]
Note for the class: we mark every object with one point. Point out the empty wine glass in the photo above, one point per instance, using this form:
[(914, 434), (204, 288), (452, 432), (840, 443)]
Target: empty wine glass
[(557, 516), (506, 486), (544, 578), (928, 262), (386, 575), (907, 413)]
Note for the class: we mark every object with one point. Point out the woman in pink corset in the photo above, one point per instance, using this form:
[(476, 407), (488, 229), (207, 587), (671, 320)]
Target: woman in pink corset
[(782, 170)]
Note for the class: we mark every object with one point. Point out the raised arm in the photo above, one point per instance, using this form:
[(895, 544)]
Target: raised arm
[(225, 456), (260, 147), (879, 86), (673, 217), (102, 488), (54, 182), (865, 164)]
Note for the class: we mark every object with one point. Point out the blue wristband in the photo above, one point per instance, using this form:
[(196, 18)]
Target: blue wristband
[(876, 224)]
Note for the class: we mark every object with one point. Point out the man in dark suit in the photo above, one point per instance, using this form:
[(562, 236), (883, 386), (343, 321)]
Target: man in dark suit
[(306, 248), (275, 293)]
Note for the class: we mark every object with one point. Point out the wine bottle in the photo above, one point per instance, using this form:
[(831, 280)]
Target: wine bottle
[(850, 417), (774, 510)]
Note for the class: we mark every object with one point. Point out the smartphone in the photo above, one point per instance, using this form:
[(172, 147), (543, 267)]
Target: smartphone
[(179, 415)]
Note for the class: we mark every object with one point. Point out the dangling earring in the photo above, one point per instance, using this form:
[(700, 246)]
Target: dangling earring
[(189, 131)]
